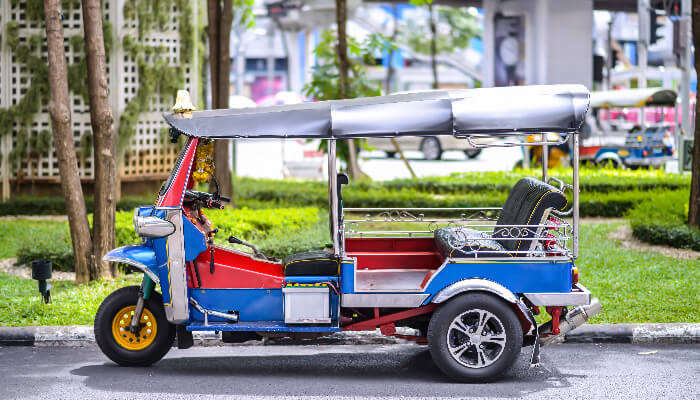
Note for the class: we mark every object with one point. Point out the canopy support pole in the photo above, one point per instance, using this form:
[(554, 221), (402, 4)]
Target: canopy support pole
[(545, 158), (575, 162), (333, 197)]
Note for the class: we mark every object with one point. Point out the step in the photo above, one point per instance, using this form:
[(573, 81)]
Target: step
[(259, 326)]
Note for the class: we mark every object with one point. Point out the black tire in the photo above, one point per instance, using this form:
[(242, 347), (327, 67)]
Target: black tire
[(496, 358), (472, 153), (104, 336), (431, 148), (390, 154)]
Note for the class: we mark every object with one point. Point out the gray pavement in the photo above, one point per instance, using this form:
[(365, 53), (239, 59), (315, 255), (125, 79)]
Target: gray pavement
[(574, 371)]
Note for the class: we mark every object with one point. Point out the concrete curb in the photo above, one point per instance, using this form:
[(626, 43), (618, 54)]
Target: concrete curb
[(82, 335)]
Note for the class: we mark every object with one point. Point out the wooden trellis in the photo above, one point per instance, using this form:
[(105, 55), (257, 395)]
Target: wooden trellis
[(148, 155)]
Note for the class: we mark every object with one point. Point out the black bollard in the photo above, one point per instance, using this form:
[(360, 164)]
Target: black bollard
[(41, 272)]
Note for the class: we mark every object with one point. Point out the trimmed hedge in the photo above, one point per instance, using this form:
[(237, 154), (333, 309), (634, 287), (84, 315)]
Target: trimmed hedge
[(57, 206), (662, 220), (277, 232), (463, 189), (593, 204), (592, 180)]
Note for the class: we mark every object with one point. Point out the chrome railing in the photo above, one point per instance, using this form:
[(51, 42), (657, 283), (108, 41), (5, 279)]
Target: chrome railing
[(550, 237)]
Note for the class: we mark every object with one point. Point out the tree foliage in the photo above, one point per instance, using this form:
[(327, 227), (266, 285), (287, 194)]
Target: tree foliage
[(456, 27), (325, 84), (325, 79)]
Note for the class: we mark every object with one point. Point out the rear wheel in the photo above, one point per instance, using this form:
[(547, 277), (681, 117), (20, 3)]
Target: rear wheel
[(153, 339), (431, 149), (475, 337)]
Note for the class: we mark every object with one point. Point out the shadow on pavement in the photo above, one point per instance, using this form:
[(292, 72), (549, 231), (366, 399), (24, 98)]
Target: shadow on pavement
[(390, 373)]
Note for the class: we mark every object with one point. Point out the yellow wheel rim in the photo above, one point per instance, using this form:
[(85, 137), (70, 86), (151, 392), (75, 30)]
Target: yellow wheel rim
[(147, 330)]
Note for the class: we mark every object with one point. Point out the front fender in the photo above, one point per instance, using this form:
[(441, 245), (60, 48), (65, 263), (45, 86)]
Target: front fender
[(140, 257)]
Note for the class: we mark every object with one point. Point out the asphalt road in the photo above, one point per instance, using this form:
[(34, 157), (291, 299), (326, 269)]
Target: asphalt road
[(569, 371)]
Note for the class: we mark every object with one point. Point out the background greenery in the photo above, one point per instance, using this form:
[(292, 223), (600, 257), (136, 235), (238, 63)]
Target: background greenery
[(662, 220)]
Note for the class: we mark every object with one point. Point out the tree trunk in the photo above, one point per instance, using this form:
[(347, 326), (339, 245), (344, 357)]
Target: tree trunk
[(220, 22), (102, 122), (59, 109), (433, 45), (390, 68), (388, 83), (341, 17), (694, 205), (214, 17)]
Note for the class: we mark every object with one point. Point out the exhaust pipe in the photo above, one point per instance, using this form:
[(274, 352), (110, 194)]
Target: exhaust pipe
[(574, 318)]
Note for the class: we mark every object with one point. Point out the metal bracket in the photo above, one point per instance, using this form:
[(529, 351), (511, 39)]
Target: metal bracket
[(233, 317)]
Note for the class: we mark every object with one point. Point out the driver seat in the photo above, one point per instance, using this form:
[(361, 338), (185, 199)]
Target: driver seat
[(311, 263)]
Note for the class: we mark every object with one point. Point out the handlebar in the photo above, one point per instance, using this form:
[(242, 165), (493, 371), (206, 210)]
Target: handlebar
[(208, 200)]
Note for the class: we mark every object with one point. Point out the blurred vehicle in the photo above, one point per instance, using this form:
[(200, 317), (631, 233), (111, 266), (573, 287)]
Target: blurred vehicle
[(622, 144), (609, 139), (432, 147)]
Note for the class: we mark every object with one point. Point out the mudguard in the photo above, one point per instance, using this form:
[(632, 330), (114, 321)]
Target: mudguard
[(140, 257)]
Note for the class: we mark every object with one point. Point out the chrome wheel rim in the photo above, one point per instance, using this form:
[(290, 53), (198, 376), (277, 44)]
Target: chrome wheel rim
[(431, 149), (476, 338)]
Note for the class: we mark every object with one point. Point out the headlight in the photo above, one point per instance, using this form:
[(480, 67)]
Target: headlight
[(152, 227)]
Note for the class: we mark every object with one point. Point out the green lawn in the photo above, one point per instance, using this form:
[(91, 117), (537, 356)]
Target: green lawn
[(21, 303), (636, 286), (633, 286), (15, 232)]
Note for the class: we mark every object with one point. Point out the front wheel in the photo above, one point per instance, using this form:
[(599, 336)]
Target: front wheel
[(155, 334), (475, 337)]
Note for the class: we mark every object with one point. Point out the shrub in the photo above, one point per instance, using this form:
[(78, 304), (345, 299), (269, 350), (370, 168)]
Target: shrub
[(57, 206), (662, 220), (47, 243), (277, 232)]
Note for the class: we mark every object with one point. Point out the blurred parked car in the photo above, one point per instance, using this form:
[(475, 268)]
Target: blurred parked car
[(431, 147)]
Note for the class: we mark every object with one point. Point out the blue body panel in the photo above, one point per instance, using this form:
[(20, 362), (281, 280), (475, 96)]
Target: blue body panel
[(195, 241), (142, 254), (252, 304), (347, 274), (546, 276), (518, 276)]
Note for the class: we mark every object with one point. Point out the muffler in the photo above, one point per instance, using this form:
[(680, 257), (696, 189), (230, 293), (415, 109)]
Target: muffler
[(573, 319)]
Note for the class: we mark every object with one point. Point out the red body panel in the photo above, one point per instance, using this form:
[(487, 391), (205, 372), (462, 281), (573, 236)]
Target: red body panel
[(173, 197), (381, 253), (234, 270)]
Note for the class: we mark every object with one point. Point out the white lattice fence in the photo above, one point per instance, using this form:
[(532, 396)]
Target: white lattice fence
[(148, 154)]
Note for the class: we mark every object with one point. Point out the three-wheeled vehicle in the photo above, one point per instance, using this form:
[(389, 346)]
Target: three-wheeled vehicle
[(639, 145), (616, 143), (467, 280)]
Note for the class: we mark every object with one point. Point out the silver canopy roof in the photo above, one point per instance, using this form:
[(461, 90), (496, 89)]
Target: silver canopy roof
[(496, 111)]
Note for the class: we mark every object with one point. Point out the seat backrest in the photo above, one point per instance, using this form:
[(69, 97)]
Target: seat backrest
[(526, 204)]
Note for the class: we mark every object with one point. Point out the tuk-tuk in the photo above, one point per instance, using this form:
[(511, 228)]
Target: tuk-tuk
[(469, 285), (615, 143), (609, 142)]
